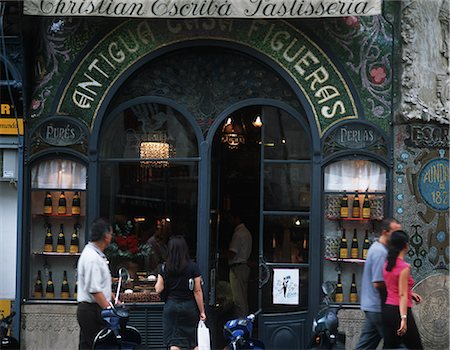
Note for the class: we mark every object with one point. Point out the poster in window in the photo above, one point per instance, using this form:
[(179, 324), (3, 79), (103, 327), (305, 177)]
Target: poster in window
[(286, 286)]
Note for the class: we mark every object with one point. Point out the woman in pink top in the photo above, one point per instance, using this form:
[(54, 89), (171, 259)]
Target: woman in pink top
[(398, 320)]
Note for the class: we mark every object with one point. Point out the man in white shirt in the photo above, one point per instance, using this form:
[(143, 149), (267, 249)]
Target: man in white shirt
[(238, 253), (94, 283)]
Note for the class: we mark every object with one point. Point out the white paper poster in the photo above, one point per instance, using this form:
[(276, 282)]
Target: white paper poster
[(286, 286)]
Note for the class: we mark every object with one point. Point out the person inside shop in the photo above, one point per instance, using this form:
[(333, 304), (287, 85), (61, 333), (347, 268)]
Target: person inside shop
[(239, 251), (158, 244), (373, 289), (398, 320), (180, 280), (94, 283)]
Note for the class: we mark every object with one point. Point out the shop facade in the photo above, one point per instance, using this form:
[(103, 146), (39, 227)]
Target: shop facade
[(145, 120)]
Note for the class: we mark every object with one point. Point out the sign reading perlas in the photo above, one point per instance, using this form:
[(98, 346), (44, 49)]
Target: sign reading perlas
[(204, 8)]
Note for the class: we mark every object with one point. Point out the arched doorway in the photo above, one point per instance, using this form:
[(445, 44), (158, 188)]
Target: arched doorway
[(203, 86), (263, 172)]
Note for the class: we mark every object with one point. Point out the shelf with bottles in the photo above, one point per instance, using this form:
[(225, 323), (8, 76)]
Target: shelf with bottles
[(346, 284), (348, 261), (56, 254), (58, 203), (44, 285)]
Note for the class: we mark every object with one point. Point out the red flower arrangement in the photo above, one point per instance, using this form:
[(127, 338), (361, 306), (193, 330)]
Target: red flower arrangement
[(126, 244)]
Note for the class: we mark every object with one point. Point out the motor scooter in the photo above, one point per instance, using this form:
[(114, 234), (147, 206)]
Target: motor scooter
[(325, 324), (7, 342), (238, 333), (117, 334)]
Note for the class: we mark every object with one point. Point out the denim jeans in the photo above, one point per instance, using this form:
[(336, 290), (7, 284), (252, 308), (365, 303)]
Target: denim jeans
[(372, 331)]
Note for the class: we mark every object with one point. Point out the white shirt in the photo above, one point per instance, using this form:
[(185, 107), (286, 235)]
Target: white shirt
[(241, 244), (93, 274)]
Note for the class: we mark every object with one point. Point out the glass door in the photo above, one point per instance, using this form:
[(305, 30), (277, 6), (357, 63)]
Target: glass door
[(262, 170)]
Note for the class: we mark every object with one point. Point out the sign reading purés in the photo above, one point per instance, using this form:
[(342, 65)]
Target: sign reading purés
[(60, 132), (204, 8)]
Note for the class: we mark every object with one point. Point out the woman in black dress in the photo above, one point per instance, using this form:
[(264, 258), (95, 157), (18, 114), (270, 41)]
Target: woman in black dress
[(180, 280)]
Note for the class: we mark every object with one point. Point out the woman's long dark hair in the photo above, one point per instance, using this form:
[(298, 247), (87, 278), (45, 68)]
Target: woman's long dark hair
[(399, 239), (178, 255)]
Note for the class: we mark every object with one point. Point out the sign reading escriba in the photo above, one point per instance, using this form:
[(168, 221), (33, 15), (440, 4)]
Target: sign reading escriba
[(204, 8)]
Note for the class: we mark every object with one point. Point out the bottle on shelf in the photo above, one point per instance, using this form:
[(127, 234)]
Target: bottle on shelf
[(50, 288), (339, 294), (62, 206), (61, 243), (74, 241), (344, 206), (366, 206), (75, 291), (65, 291), (353, 290), (48, 205), (38, 286), (354, 253), (366, 245), (76, 204), (356, 212), (48, 244), (343, 248)]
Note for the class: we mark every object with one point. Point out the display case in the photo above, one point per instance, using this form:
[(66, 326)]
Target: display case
[(354, 197), (57, 228)]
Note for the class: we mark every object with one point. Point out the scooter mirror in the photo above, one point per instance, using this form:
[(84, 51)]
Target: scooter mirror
[(124, 274), (328, 288)]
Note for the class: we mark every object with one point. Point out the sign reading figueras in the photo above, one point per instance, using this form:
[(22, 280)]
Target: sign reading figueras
[(434, 184), (326, 92), (204, 8)]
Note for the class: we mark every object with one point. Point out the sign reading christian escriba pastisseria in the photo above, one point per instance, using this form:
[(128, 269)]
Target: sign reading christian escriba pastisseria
[(204, 8)]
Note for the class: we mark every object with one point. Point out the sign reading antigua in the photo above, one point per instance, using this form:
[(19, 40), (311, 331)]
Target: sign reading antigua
[(204, 8)]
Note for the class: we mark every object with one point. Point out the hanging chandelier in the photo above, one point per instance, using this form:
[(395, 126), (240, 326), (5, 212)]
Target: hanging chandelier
[(155, 146), (233, 133)]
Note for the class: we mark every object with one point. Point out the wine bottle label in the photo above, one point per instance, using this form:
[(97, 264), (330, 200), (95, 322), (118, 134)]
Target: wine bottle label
[(344, 212), (48, 248), (366, 213), (356, 212), (353, 297), (73, 248), (339, 298), (364, 253), (60, 248), (354, 253), (76, 211), (343, 253), (61, 210), (65, 295), (37, 295), (50, 295), (47, 210)]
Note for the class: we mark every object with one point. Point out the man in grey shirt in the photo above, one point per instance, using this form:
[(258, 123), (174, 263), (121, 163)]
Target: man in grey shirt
[(373, 290)]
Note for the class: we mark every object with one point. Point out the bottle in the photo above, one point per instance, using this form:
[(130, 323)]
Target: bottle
[(356, 212), (354, 253), (50, 289), (62, 208), (76, 209), (38, 286), (48, 205), (366, 207), (61, 243), (75, 291), (366, 245), (48, 244), (344, 206), (343, 248), (65, 291), (339, 294), (353, 290), (74, 241)]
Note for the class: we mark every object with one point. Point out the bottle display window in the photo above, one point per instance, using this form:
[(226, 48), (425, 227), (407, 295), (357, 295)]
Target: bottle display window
[(58, 223), (355, 197)]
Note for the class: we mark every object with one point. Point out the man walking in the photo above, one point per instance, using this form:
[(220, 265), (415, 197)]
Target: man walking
[(373, 290)]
